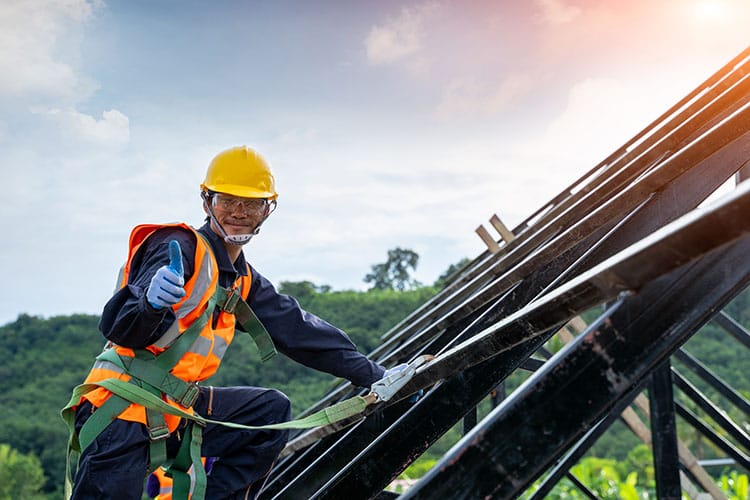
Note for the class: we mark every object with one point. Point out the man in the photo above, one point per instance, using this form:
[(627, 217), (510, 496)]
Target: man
[(168, 327)]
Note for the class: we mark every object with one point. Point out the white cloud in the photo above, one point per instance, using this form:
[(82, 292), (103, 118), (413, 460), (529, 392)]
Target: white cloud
[(113, 129), (596, 107), (399, 38), (34, 64), (600, 115), (557, 12), (40, 56), (471, 97)]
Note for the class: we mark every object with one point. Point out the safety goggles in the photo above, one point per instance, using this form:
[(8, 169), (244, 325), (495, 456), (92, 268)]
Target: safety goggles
[(234, 203)]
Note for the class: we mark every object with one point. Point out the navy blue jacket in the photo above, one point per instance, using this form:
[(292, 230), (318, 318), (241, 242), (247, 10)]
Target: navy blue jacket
[(130, 321)]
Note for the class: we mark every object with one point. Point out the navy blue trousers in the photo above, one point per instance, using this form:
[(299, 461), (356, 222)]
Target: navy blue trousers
[(114, 466)]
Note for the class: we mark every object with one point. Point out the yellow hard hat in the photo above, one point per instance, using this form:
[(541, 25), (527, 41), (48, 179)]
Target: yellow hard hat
[(240, 171)]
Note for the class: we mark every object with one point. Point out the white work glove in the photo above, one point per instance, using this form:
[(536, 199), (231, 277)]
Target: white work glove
[(394, 379), (396, 369), (165, 288)]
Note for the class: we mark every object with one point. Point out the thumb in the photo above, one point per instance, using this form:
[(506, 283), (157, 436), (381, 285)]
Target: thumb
[(175, 258)]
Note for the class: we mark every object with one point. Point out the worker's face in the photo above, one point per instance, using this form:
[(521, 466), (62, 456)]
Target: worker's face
[(238, 215)]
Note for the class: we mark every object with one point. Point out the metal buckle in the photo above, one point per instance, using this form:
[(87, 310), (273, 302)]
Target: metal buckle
[(190, 396), (233, 297), (158, 432)]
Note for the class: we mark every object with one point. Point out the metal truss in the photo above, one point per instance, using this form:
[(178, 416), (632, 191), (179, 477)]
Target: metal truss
[(631, 238)]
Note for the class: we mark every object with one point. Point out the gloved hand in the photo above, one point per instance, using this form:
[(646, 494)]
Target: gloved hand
[(395, 369), (398, 369), (393, 380), (397, 377), (165, 288)]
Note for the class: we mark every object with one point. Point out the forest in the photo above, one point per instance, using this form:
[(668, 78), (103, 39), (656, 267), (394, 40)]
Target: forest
[(46, 357)]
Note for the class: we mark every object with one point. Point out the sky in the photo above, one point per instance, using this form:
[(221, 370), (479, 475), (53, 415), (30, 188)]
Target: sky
[(387, 124)]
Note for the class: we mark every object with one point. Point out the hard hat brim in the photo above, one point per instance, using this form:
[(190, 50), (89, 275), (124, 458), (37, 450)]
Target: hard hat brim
[(241, 191)]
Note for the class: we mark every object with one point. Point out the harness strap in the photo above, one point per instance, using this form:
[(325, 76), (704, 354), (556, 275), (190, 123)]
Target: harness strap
[(334, 413), (101, 418), (231, 301), (158, 432), (123, 393), (148, 371), (188, 456), (98, 420)]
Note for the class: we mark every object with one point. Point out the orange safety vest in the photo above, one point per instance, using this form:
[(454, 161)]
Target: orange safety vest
[(204, 356)]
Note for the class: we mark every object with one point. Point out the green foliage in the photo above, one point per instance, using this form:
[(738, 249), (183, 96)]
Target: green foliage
[(604, 477), (21, 475), (302, 290), (718, 351), (735, 486), (450, 273), (608, 478), (419, 468), (393, 274), (43, 360)]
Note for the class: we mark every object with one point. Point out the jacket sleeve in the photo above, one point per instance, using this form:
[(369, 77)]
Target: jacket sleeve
[(128, 319), (307, 339)]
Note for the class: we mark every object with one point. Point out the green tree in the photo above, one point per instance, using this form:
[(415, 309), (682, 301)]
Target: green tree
[(393, 274), (21, 476), (451, 273), (302, 290)]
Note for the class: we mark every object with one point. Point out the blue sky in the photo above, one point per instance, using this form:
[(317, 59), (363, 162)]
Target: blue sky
[(387, 123)]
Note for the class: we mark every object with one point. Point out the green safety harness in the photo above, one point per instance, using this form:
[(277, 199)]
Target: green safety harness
[(151, 377)]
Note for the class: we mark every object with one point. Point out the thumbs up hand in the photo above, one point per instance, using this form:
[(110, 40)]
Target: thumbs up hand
[(165, 288)]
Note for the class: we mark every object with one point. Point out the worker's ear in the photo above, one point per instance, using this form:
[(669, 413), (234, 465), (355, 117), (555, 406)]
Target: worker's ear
[(206, 199), (270, 207)]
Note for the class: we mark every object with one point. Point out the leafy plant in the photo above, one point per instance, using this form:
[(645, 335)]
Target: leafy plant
[(21, 475), (735, 486)]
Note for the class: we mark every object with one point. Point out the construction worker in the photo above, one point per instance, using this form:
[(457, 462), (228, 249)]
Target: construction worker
[(172, 303)]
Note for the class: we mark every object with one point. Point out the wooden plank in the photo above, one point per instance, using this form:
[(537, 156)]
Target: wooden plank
[(505, 233), (488, 240)]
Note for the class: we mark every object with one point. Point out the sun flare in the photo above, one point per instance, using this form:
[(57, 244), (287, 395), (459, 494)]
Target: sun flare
[(710, 10)]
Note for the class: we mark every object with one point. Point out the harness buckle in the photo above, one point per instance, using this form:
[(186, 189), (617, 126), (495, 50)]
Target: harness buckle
[(190, 396), (158, 432), (233, 297)]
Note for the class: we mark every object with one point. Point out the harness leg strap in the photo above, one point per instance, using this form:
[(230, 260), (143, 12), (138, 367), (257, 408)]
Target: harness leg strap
[(189, 455), (158, 432)]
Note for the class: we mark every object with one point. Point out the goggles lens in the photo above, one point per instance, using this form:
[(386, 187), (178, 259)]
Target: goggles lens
[(232, 203)]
